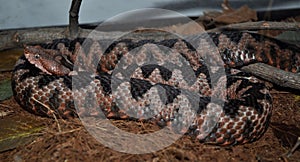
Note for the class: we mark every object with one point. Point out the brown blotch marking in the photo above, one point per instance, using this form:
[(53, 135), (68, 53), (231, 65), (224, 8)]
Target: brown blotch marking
[(223, 130), (225, 120), (248, 113), (44, 98), (218, 135), (258, 127), (64, 96), (36, 96), (236, 119), (239, 125), (227, 135), (69, 93), (255, 122), (232, 131), (52, 91), (62, 105), (221, 124), (18, 89), (25, 84), (200, 121), (237, 135), (230, 125)]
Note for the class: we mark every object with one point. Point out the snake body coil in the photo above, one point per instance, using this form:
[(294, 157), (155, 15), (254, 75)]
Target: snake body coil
[(171, 82)]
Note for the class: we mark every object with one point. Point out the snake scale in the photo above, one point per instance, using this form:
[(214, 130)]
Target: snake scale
[(151, 83)]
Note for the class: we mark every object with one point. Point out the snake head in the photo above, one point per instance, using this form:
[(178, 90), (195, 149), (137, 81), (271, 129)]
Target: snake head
[(45, 60)]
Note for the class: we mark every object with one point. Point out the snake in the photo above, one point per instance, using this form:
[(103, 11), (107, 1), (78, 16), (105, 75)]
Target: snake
[(194, 83)]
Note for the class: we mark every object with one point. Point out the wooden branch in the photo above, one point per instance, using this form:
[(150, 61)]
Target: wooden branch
[(274, 75), (73, 18), (262, 25), (19, 37)]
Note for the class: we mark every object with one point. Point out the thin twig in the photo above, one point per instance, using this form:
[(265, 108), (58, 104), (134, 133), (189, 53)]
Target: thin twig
[(297, 144), (52, 112), (65, 132), (6, 106), (73, 18)]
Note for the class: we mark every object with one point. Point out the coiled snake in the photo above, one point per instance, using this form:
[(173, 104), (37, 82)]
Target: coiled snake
[(157, 88)]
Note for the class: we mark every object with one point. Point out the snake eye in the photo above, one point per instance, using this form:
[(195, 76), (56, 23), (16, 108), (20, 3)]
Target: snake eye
[(36, 56)]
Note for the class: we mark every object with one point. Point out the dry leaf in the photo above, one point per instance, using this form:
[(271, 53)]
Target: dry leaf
[(243, 14)]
